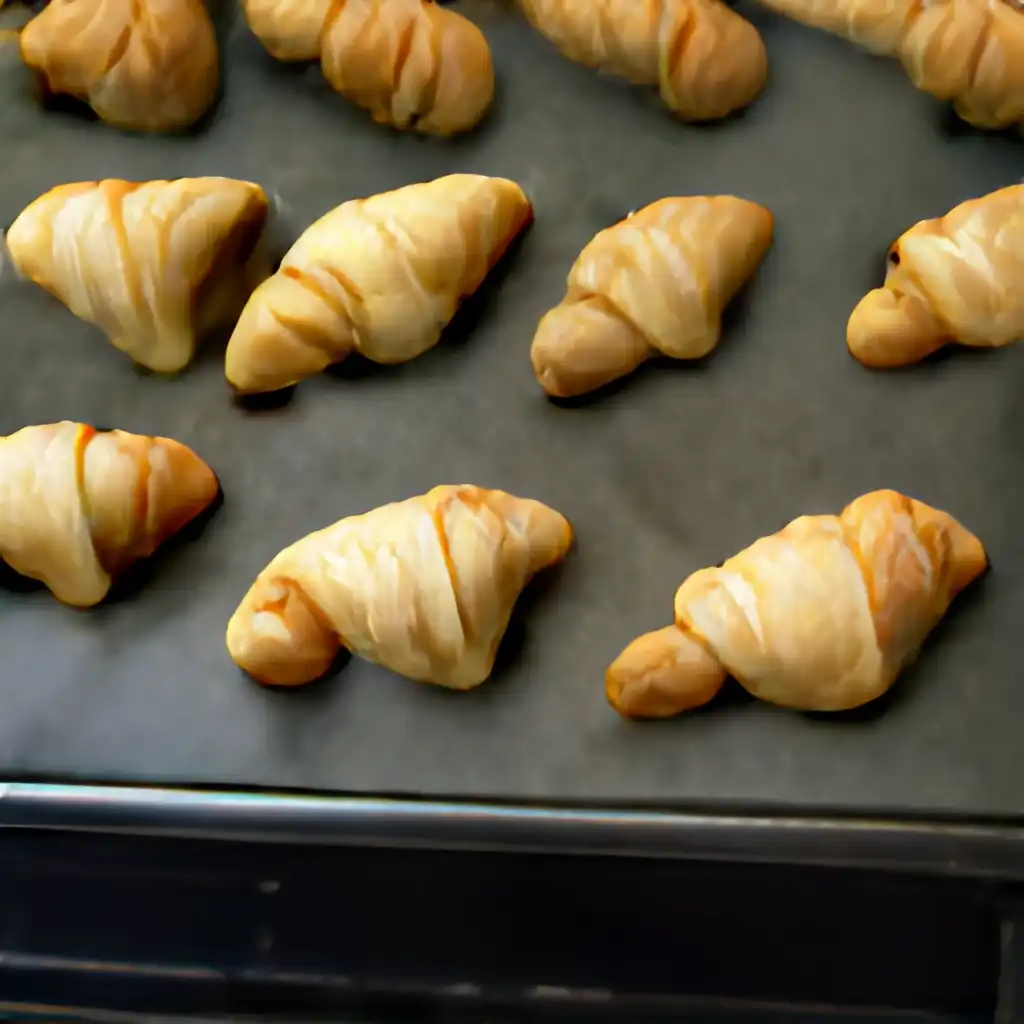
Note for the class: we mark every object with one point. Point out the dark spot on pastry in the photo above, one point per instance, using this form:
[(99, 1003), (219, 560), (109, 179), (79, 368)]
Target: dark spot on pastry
[(894, 256)]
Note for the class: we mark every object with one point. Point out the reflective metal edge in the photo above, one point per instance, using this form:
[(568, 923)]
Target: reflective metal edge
[(970, 850)]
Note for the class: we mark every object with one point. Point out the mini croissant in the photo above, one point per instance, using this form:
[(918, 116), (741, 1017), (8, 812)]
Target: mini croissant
[(154, 265), (968, 51), (655, 283), (78, 507), (821, 616), (381, 276), (424, 587), (146, 65), (706, 60), (410, 63), (953, 279)]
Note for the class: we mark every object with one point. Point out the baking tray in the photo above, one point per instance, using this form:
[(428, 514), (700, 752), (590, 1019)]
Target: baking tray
[(676, 469)]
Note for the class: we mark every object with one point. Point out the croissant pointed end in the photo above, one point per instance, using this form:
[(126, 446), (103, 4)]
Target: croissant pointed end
[(889, 329), (250, 373), (963, 553), (661, 674), (279, 637), (581, 346), (286, 332), (181, 486), (967, 555), (551, 536)]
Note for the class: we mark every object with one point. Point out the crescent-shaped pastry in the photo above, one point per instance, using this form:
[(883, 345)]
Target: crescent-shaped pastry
[(411, 63), (953, 279), (970, 52), (656, 283), (146, 65), (153, 264), (706, 59), (78, 507), (821, 616), (381, 276), (424, 587)]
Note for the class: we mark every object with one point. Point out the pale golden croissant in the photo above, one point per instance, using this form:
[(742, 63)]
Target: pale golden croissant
[(410, 63), (424, 587), (821, 616), (381, 276), (967, 51), (78, 507), (154, 265), (706, 60), (655, 283), (147, 65), (953, 279)]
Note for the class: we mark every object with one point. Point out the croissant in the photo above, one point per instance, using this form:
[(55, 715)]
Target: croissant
[(147, 65), (655, 283), (153, 265), (78, 507), (381, 276), (424, 587), (968, 51), (410, 63), (821, 616), (706, 60), (953, 279)]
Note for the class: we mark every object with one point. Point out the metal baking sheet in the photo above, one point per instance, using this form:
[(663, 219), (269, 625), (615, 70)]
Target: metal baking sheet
[(676, 469)]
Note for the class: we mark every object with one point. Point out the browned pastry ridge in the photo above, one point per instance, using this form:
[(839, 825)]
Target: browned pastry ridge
[(411, 63), (970, 52), (705, 59), (147, 65), (78, 507)]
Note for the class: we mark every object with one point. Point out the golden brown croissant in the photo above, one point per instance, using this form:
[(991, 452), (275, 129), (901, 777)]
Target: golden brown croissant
[(147, 65), (706, 60), (154, 265), (968, 51), (424, 587), (381, 276), (953, 279), (655, 283), (821, 616), (410, 63), (78, 507)]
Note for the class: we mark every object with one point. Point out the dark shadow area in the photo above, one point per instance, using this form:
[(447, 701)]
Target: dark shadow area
[(950, 125), (61, 105), (15, 583), (264, 401), (143, 573)]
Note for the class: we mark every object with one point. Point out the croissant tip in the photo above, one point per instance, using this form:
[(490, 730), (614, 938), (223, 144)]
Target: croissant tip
[(278, 637)]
